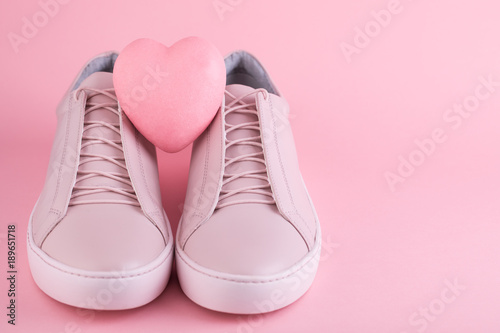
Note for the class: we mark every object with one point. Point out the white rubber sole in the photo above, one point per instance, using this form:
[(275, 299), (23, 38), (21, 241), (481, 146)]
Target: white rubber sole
[(242, 294), (99, 290)]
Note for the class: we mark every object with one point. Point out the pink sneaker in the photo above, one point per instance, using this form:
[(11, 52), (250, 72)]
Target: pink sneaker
[(249, 239), (98, 237)]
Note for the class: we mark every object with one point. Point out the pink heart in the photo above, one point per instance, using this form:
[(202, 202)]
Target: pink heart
[(170, 94)]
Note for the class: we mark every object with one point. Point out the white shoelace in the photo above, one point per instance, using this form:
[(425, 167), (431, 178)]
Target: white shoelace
[(239, 106), (126, 189)]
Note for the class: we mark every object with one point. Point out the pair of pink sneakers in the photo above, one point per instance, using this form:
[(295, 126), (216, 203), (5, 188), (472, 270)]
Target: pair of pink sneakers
[(248, 241)]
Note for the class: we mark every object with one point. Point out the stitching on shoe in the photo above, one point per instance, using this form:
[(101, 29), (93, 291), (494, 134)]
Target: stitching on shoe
[(222, 163), (47, 230), (139, 155), (205, 174), (197, 212), (66, 136), (310, 234), (247, 282), (143, 174), (55, 211), (123, 120)]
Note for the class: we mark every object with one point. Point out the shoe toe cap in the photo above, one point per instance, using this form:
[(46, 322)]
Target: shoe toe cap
[(249, 239), (104, 237)]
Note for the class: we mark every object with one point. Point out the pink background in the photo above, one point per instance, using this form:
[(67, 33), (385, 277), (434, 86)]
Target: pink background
[(392, 255)]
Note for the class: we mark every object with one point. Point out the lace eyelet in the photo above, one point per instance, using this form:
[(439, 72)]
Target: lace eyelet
[(265, 94), (78, 93)]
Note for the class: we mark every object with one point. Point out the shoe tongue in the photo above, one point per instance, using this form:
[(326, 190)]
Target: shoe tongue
[(102, 113), (239, 90), (100, 81), (236, 118)]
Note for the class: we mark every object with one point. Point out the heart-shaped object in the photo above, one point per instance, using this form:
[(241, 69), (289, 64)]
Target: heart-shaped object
[(170, 94)]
